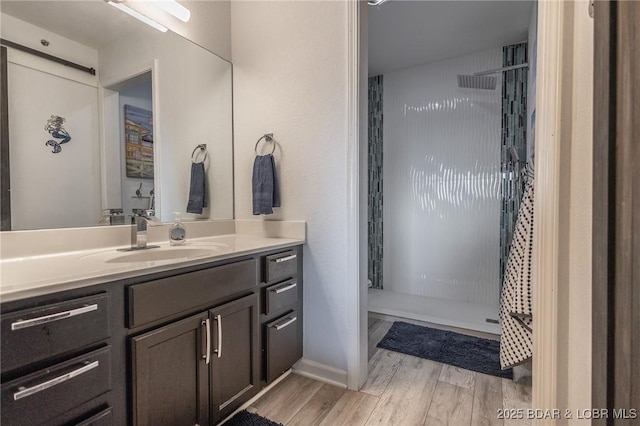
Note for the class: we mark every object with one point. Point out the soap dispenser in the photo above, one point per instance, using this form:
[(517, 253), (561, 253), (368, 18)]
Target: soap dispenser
[(177, 233)]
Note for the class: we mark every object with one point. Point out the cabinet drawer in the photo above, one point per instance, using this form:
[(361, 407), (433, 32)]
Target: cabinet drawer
[(281, 266), (280, 295), (35, 334), (103, 418), (283, 347), (166, 297), (36, 398)]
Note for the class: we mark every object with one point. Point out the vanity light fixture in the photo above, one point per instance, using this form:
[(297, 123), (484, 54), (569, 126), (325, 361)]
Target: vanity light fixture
[(376, 2), (174, 8), (126, 9)]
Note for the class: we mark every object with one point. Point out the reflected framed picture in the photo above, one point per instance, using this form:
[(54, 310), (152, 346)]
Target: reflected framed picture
[(138, 142)]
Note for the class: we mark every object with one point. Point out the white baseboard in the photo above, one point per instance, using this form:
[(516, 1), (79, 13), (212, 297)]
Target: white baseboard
[(323, 373)]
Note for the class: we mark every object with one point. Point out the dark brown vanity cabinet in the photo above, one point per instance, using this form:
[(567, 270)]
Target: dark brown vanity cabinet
[(199, 369)]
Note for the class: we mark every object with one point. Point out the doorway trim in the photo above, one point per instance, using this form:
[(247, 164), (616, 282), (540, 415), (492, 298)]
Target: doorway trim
[(356, 289), (547, 190), (546, 216)]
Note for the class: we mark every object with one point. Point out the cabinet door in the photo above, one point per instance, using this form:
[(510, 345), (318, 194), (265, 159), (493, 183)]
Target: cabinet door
[(235, 355), (170, 374)]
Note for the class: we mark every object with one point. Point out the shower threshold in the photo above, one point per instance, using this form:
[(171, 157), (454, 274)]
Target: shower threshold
[(450, 313)]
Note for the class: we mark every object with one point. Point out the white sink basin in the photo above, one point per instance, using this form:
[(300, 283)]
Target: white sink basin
[(158, 254)]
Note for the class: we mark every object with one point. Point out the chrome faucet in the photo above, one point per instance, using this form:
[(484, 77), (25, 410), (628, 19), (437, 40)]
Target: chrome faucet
[(140, 220)]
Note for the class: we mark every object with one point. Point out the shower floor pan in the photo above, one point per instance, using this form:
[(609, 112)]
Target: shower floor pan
[(437, 311)]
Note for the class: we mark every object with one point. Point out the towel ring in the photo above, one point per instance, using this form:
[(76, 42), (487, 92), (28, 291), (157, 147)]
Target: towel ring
[(268, 138), (203, 148)]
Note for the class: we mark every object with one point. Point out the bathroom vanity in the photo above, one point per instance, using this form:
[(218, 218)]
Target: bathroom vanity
[(186, 344)]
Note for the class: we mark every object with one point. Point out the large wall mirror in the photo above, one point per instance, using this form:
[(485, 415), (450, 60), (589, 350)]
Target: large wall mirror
[(83, 147)]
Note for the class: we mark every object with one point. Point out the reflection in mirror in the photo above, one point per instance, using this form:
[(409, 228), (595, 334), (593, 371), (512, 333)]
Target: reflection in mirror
[(88, 149), (128, 107)]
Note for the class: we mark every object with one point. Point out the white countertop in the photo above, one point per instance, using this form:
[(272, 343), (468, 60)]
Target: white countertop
[(23, 277)]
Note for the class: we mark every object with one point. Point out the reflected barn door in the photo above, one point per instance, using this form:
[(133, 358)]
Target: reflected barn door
[(52, 190)]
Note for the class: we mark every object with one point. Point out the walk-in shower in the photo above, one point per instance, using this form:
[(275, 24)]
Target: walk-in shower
[(446, 134)]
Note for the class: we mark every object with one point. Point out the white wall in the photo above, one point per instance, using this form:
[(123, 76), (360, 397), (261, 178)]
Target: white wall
[(51, 190), (290, 78), (442, 181), (192, 106)]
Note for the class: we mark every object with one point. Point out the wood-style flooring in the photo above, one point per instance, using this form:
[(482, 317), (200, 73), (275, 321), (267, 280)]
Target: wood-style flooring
[(401, 390)]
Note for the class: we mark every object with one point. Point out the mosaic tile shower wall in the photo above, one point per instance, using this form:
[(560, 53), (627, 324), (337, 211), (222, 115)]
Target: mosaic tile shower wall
[(375, 181), (514, 144)]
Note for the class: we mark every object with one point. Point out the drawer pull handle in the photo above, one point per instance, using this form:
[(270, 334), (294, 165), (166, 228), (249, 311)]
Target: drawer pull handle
[(219, 349), (22, 393), (285, 258), (285, 288), (207, 330), (287, 323), (53, 317)]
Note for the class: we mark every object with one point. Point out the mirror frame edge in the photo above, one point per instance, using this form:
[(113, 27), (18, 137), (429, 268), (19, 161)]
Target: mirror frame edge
[(5, 178)]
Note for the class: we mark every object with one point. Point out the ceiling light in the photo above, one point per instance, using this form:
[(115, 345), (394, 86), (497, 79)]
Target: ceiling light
[(174, 8), (139, 16)]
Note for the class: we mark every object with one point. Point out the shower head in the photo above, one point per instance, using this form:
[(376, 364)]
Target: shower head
[(477, 82), (483, 80)]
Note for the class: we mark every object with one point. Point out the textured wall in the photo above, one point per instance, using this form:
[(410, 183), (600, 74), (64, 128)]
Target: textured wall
[(290, 68), (442, 181)]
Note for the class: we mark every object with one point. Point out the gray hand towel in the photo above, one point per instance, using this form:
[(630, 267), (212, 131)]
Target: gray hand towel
[(266, 193), (197, 189), (276, 187)]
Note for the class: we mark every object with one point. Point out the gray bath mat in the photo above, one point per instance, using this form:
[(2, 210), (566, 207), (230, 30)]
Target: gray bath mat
[(245, 418), (471, 353)]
